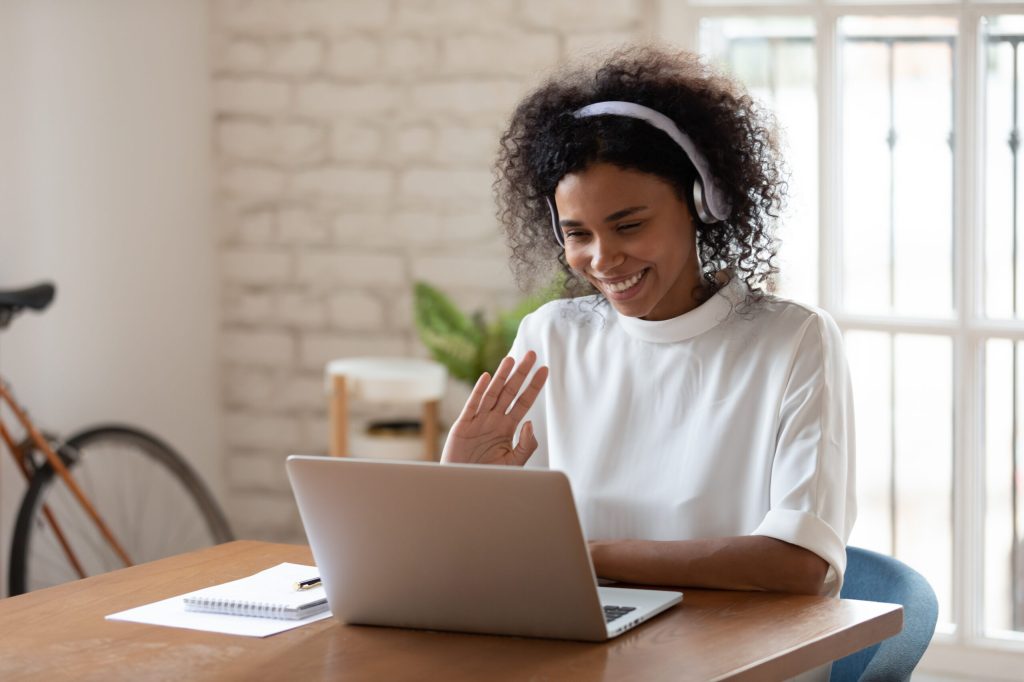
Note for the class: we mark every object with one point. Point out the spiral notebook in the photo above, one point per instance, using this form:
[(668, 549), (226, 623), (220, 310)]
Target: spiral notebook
[(270, 593)]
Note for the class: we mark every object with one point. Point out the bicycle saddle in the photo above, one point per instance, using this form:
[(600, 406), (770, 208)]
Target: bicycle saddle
[(35, 297)]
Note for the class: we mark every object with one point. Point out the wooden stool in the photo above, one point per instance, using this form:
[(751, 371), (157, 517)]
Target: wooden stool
[(385, 380)]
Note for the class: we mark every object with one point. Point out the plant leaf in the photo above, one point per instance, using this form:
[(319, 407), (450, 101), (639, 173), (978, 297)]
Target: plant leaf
[(452, 338)]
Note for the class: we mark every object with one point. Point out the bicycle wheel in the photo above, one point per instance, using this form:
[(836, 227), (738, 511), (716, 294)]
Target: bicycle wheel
[(152, 500)]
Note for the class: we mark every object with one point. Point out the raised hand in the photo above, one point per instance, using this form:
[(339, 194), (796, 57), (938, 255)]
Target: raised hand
[(484, 431)]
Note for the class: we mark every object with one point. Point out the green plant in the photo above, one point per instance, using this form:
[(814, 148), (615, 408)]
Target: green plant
[(469, 345)]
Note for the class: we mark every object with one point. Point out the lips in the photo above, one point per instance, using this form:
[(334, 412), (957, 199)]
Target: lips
[(624, 288)]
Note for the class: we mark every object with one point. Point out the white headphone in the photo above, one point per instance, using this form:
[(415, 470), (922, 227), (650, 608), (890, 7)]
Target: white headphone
[(711, 204)]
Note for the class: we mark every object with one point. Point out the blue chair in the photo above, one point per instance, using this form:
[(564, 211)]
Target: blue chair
[(871, 576)]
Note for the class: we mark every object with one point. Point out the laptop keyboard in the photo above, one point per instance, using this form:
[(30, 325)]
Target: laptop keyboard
[(613, 612)]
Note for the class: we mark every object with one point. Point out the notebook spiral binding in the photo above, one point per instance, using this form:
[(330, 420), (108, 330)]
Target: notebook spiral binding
[(233, 607)]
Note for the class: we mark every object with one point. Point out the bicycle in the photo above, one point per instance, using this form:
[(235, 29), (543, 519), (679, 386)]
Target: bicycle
[(107, 497)]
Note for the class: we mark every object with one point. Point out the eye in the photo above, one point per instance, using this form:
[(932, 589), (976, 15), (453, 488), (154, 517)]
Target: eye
[(630, 226), (575, 234)]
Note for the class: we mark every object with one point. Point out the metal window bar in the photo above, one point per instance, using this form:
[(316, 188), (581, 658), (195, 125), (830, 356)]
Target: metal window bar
[(1013, 142)]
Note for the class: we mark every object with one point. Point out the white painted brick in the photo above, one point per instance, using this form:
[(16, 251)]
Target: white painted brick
[(469, 227), (251, 95), (296, 57), (508, 54), (569, 16), (267, 348), (444, 185), (256, 266), (319, 98), (252, 470), (249, 387), (472, 144), (577, 45), (248, 307), (243, 56), (263, 431), (253, 181), (338, 17), (247, 140), (460, 233), (494, 97), (484, 273), (352, 228), (270, 516), (251, 16), (316, 433), (421, 227), (300, 225), (255, 227), (355, 310), (343, 182), (351, 268), (411, 56), (354, 56), (302, 142), (317, 349), (414, 142), (301, 310), (351, 141), (304, 392), (446, 15), (401, 312)]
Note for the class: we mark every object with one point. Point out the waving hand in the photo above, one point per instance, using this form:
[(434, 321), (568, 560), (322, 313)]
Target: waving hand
[(484, 431)]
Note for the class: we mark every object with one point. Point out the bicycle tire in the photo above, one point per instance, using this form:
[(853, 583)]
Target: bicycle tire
[(125, 472)]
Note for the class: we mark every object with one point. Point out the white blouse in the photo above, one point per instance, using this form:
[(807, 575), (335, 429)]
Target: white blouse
[(731, 419)]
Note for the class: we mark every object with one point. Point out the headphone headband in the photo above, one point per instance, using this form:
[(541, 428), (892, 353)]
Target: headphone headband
[(711, 204)]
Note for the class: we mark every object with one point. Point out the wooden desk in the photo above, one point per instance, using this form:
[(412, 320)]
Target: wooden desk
[(60, 633)]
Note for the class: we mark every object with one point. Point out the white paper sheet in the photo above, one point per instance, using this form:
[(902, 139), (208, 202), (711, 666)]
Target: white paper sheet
[(171, 612)]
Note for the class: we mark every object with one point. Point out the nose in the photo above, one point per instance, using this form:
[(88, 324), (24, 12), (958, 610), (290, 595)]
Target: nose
[(605, 255)]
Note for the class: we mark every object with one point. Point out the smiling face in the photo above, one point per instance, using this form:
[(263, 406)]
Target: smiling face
[(632, 236)]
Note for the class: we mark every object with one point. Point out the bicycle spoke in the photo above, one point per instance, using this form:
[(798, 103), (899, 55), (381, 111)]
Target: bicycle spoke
[(147, 497)]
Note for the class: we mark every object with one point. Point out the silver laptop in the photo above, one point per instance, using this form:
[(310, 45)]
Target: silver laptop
[(484, 549)]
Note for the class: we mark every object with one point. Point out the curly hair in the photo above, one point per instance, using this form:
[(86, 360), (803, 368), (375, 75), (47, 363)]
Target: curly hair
[(544, 142)]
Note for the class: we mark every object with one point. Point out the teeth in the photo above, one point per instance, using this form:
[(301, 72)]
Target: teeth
[(622, 286)]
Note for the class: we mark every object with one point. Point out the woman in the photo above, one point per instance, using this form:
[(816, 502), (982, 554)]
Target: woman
[(706, 426)]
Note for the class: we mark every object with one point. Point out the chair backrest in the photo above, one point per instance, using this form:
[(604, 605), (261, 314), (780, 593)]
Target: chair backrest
[(871, 576)]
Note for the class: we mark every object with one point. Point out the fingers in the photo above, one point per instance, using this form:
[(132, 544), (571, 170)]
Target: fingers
[(527, 444), (473, 402), (515, 381), (529, 395), (490, 396)]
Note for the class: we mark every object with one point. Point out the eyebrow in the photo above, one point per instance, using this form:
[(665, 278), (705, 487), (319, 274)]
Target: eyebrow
[(612, 217)]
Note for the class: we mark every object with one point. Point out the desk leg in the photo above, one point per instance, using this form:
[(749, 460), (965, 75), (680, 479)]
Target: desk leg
[(431, 417), (339, 417)]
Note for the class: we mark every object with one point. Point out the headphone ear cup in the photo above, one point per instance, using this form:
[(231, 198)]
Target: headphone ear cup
[(701, 204)]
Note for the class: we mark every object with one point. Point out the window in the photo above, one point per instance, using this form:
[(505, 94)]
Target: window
[(902, 131)]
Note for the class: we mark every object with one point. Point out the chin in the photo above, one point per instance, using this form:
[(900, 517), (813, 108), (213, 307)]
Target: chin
[(630, 309)]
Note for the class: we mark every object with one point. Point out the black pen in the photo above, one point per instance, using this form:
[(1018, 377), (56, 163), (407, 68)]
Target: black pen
[(307, 584)]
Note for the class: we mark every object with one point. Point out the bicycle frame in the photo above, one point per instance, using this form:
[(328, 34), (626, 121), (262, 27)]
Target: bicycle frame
[(61, 470)]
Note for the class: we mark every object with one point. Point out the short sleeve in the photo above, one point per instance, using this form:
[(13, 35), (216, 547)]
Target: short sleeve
[(812, 502)]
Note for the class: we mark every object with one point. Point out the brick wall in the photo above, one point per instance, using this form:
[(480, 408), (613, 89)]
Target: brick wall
[(353, 142)]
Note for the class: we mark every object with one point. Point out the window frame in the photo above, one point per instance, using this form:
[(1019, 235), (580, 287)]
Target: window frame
[(965, 649)]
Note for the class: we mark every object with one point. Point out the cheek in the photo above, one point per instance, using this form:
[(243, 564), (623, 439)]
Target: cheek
[(576, 258)]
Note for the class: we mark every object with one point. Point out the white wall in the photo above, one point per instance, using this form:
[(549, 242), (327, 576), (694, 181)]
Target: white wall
[(105, 188)]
